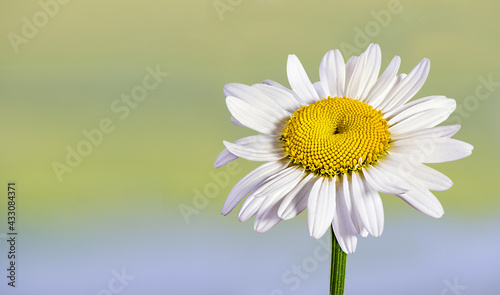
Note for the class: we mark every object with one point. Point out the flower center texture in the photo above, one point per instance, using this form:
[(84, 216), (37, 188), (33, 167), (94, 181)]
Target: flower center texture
[(335, 136)]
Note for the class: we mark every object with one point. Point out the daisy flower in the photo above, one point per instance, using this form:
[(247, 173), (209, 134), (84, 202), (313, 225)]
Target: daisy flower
[(333, 145)]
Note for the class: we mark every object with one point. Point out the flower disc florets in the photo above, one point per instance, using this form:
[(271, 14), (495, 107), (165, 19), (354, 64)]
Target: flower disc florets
[(335, 136)]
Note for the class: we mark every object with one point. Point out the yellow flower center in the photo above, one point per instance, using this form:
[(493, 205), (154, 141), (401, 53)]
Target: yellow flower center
[(335, 136)]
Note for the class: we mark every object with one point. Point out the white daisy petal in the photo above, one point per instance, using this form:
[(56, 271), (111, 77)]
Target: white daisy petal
[(400, 78), (356, 219), (425, 175), (374, 59), (381, 99), (432, 150), (260, 141), (425, 119), (286, 100), (349, 69), (281, 87), (360, 228), (431, 178), (250, 207), (380, 182), (417, 196), (332, 73), (408, 87), (319, 90), (249, 182), (358, 225), (299, 81), (424, 201), (321, 207), (384, 99), (387, 176), (384, 83), (440, 131), (224, 158), (267, 216), (258, 151), (367, 204), (364, 233), (252, 117), (421, 106), (236, 122), (255, 141), (296, 200), (267, 219), (256, 98), (344, 229), (284, 181), (356, 78), (365, 73)]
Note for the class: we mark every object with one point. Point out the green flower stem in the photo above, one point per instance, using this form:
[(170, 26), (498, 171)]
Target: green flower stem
[(337, 268)]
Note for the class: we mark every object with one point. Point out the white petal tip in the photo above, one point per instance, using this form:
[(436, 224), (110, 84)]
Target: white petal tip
[(349, 245), (448, 185), (467, 150), (262, 227), (350, 249), (330, 52), (225, 210), (317, 235), (242, 218), (378, 233), (285, 215), (437, 214), (218, 163)]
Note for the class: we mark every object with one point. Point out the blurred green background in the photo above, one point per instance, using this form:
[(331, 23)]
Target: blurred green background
[(64, 67)]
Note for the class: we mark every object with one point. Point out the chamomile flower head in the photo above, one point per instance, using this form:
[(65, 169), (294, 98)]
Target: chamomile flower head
[(333, 145)]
